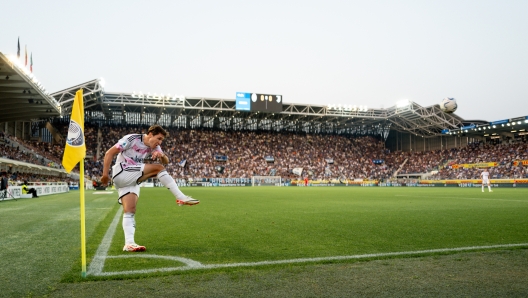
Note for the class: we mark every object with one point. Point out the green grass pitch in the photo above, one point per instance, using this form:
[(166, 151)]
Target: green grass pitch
[(247, 225)]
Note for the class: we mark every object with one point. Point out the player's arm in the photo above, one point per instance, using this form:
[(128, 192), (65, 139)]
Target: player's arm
[(107, 162), (162, 157)]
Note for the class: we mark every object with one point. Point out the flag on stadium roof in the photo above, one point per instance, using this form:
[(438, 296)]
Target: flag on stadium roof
[(18, 48), (31, 62), (25, 59)]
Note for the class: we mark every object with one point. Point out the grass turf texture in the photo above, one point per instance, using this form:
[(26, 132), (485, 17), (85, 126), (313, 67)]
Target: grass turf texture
[(40, 237)]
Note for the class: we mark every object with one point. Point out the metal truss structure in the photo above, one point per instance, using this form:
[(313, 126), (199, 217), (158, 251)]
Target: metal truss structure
[(93, 91), (194, 112)]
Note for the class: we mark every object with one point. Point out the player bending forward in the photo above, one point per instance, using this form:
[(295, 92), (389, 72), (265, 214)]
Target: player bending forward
[(130, 170), (485, 179)]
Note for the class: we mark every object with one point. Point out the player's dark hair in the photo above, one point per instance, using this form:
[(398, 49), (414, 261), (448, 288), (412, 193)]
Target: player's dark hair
[(156, 129)]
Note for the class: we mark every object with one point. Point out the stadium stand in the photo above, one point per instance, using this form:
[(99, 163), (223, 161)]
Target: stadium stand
[(352, 157), (217, 141)]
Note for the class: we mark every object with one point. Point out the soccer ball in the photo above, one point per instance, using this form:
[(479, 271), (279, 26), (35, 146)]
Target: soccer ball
[(448, 105)]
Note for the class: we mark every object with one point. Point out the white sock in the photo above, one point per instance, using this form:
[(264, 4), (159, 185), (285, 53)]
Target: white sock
[(489, 187), (169, 183), (129, 227)]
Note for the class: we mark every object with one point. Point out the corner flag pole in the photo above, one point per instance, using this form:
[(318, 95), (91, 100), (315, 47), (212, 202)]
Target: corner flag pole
[(75, 152), (83, 219)]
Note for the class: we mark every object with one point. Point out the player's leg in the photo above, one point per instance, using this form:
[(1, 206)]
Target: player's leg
[(489, 186), (126, 179), (159, 171), (128, 190), (129, 201), (482, 186)]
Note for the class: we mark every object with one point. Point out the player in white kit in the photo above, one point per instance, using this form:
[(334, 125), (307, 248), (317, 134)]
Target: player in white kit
[(130, 170), (485, 179)]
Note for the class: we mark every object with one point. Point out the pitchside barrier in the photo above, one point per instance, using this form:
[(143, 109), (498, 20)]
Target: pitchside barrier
[(43, 189), (278, 181), (422, 183)]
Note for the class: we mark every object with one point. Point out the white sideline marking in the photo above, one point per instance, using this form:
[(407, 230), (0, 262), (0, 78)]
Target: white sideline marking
[(197, 265), (188, 262), (97, 264), (103, 192), (483, 199)]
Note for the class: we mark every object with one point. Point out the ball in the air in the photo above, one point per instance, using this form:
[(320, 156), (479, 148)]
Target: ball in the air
[(448, 105)]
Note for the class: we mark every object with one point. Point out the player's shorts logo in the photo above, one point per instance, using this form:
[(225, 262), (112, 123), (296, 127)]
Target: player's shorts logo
[(75, 136)]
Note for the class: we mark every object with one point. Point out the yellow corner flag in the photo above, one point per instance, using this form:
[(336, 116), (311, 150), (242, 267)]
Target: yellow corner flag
[(75, 149), (74, 153)]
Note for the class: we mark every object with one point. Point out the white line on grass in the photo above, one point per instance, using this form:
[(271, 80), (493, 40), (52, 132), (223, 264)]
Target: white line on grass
[(97, 264), (483, 199)]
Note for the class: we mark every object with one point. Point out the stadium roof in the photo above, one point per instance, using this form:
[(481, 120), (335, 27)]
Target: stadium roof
[(408, 117), (22, 97)]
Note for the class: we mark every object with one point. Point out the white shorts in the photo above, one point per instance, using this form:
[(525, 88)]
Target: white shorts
[(123, 191), (485, 181), (126, 178)]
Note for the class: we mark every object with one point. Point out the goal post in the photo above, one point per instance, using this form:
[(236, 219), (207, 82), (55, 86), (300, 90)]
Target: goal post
[(266, 181)]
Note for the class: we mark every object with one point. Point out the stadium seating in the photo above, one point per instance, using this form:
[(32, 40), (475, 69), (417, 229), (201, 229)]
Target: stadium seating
[(321, 156)]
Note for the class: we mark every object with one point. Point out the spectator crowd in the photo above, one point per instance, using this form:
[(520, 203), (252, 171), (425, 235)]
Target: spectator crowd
[(208, 153)]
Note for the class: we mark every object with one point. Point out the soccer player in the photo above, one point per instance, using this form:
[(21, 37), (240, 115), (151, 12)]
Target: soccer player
[(485, 179), (130, 170)]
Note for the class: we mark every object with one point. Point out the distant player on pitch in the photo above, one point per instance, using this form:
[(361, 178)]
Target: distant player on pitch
[(130, 170), (485, 179)]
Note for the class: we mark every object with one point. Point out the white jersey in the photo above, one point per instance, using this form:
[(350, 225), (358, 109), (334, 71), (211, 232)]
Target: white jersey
[(485, 175), (133, 151)]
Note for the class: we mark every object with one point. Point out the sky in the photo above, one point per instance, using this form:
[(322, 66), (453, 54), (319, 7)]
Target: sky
[(372, 53)]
